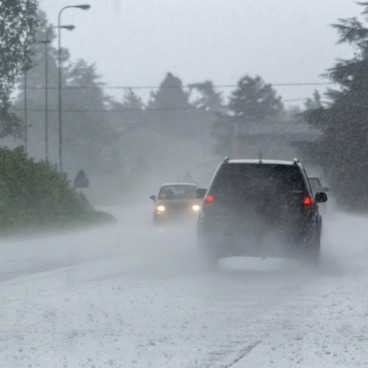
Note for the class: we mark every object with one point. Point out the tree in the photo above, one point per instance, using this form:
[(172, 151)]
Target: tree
[(36, 92), (132, 101), (170, 95), (86, 130), (254, 100), (169, 111), (92, 121), (42, 198), (313, 102), (86, 134), (18, 23), (125, 114), (124, 118), (208, 99), (343, 148)]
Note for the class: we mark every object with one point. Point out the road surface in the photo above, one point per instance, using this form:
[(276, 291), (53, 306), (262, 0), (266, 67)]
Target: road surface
[(129, 295)]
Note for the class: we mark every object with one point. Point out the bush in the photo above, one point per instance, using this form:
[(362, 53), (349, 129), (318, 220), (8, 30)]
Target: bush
[(33, 194)]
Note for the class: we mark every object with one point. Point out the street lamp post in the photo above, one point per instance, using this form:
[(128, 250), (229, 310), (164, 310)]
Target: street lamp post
[(46, 44), (60, 98)]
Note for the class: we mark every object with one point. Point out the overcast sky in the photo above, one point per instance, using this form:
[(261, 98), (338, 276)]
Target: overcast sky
[(135, 42)]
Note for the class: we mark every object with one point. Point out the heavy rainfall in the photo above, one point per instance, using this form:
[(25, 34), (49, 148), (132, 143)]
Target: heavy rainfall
[(183, 183)]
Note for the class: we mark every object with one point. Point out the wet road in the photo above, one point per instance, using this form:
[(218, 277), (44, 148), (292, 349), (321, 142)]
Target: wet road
[(129, 295)]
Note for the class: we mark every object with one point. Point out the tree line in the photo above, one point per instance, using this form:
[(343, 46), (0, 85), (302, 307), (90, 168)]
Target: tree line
[(342, 149), (122, 139)]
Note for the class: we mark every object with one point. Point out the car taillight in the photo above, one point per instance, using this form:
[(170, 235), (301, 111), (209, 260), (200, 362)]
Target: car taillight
[(307, 201), (209, 198)]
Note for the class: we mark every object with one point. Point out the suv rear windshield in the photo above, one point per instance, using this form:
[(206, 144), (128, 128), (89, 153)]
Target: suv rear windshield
[(177, 192), (239, 180)]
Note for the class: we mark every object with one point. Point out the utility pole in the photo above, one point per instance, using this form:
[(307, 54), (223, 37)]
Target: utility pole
[(46, 43), (60, 110), (26, 110)]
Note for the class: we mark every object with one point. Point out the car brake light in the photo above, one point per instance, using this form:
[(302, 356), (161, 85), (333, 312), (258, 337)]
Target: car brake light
[(307, 201), (209, 198)]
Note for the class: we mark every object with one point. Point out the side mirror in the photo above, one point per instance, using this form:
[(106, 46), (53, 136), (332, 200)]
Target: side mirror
[(321, 197), (153, 197), (201, 192)]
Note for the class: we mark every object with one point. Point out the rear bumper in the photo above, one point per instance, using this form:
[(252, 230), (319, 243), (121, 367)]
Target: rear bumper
[(256, 238)]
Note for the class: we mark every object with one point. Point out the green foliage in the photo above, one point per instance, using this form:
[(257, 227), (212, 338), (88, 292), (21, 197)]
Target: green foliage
[(252, 102), (33, 194), (253, 99), (18, 23), (315, 102), (86, 126), (10, 123), (169, 110), (343, 148), (132, 101), (209, 99), (170, 95), (113, 141)]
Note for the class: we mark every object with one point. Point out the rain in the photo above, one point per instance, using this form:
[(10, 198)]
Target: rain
[(183, 184)]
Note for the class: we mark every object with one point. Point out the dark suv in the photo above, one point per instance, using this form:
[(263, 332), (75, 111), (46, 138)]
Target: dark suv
[(260, 208)]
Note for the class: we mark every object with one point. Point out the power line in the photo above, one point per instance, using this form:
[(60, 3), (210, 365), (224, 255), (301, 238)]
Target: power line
[(303, 84), (153, 87), (126, 110), (295, 99), (189, 108)]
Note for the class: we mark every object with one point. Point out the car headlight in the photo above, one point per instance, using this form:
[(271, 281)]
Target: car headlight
[(196, 207), (161, 208)]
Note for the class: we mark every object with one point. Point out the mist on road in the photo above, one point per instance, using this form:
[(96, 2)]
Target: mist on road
[(130, 294)]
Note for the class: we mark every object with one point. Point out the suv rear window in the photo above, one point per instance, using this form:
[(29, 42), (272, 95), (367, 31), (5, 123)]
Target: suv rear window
[(244, 180)]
